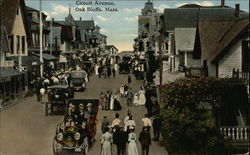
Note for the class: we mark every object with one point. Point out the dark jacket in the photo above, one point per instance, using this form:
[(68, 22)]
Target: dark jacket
[(120, 137), (157, 123), (145, 138)]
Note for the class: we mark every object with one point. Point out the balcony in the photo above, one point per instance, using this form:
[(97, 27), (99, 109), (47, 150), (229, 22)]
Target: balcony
[(238, 136)]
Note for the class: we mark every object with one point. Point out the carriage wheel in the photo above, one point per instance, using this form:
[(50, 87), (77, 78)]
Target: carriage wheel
[(55, 150), (46, 109), (86, 145)]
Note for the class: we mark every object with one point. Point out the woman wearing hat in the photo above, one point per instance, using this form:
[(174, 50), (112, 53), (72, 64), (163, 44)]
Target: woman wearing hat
[(107, 140)]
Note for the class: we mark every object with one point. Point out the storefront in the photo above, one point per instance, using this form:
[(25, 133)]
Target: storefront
[(12, 86)]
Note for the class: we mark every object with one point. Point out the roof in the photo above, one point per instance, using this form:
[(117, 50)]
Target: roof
[(27, 60), (189, 17), (184, 39), (9, 72), (108, 47), (85, 24), (9, 9), (46, 56), (56, 33), (215, 36), (5, 42), (66, 32)]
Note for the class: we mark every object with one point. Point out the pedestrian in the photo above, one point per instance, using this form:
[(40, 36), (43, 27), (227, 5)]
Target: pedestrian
[(129, 79), (111, 101), (127, 117), (146, 122), (106, 142), (105, 123), (116, 121), (130, 96), (145, 140), (100, 71), (157, 127), (120, 138), (42, 94), (38, 86), (109, 71), (129, 124), (107, 100), (122, 91), (117, 105), (142, 98), (105, 72), (132, 148), (101, 99), (116, 67), (125, 90), (149, 105), (113, 71)]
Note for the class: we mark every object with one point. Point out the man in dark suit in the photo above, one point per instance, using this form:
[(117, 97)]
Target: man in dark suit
[(120, 138), (157, 127)]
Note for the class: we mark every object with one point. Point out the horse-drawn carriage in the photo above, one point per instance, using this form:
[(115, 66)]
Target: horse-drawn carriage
[(58, 96), (77, 131)]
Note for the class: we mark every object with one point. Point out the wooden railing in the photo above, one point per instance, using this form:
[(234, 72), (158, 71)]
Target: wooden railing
[(240, 75), (195, 72), (235, 132)]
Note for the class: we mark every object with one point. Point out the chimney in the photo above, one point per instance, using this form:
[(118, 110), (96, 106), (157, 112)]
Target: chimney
[(222, 3), (80, 18), (237, 10)]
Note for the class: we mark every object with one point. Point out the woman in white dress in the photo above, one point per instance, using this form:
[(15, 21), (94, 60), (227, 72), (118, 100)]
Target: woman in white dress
[(142, 98), (96, 69), (130, 123), (132, 148), (107, 140), (112, 101), (122, 91), (136, 99)]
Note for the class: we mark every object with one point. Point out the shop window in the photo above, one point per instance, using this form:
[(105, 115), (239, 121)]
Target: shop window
[(17, 44), (11, 42), (23, 44)]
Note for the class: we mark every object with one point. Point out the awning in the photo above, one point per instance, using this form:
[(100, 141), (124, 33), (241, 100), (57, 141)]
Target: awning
[(9, 72), (46, 56), (27, 60), (62, 59)]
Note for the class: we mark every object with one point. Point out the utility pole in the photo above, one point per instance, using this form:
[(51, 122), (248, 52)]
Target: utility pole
[(1, 48), (161, 65), (41, 39), (51, 36)]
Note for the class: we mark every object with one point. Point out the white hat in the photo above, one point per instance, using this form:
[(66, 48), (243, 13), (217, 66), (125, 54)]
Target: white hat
[(89, 104)]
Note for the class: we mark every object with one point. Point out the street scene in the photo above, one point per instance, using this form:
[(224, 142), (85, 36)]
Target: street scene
[(150, 78)]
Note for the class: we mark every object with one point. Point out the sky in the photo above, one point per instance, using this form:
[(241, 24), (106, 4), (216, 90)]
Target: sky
[(120, 27)]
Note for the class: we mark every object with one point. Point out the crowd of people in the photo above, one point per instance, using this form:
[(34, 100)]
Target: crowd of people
[(122, 134)]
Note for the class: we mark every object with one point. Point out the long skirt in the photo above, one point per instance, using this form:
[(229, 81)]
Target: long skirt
[(106, 148), (112, 103), (132, 148), (142, 99)]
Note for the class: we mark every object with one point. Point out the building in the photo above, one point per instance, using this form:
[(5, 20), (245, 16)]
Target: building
[(223, 46), (180, 22), (34, 18), (15, 36)]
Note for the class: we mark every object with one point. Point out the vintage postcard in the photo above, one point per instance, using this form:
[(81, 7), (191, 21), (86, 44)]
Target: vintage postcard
[(125, 77)]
